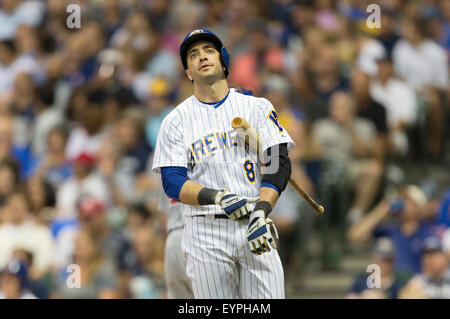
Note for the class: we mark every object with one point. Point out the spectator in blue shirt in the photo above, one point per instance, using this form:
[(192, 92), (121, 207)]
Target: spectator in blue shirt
[(383, 255), (400, 221)]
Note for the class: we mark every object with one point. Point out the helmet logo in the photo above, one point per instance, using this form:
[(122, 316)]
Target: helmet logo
[(196, 31)]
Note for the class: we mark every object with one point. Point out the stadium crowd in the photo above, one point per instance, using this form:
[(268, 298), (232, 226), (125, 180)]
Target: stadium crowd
[(80, 111)]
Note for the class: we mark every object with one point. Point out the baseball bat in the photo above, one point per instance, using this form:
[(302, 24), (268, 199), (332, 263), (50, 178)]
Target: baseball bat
[(239, 122)]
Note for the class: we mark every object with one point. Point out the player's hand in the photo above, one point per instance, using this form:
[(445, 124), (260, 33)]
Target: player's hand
[(259, 235), (235, 206)]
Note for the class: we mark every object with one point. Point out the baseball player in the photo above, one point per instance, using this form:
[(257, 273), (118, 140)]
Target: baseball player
[(178, 284), (228, 240)]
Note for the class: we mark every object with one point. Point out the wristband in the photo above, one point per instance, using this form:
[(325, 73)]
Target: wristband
[(207, 196), (264, 206)]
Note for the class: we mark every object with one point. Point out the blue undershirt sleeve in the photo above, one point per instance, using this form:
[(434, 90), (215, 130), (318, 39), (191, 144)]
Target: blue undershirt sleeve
[(173, 179), (266, 184)]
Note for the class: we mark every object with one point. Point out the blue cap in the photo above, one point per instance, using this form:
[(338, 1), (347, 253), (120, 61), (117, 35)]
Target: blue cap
[(204, 35)]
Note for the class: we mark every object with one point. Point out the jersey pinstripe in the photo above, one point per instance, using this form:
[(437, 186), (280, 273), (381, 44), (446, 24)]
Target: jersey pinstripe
[(199, 136)]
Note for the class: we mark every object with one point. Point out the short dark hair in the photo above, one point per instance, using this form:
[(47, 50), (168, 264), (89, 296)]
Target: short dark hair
[(9, 44), (140, 209)]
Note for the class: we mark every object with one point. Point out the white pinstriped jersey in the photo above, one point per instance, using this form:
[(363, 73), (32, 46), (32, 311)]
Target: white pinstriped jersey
[(199, 137)]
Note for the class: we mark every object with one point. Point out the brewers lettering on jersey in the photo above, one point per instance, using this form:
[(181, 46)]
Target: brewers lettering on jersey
[(228, 244)]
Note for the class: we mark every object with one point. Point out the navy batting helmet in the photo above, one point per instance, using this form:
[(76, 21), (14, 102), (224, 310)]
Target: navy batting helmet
[(204, 35)]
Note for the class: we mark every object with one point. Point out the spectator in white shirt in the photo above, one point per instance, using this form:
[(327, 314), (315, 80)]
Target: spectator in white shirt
[(400, 102), (84, 181), (20, 231), (88, 137), (16, 12), (12, 63), (422, 63)]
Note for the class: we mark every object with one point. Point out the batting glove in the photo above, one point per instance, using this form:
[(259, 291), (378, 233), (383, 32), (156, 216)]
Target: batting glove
[(259, 235), (235, 206)]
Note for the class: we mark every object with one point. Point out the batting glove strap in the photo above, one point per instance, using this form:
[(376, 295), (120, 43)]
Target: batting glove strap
[(235, 206), (259, 235)]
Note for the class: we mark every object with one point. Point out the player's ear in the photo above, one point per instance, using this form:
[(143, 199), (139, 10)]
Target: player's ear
[(188, 73)]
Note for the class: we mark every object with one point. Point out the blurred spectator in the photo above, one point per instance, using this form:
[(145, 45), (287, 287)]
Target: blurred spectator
[(138, 215), (246, 68), (434, 280), (158, 106), (371, 110), (52, 165), (114, 172), (399, 220), (14, 281), (424, 66), (21, 153), (47, 117), (12, 63), (347, 140), (383, 255), (42, 200), (418, 60), (97, 273), (16, 12), (304, 96), (130, 134), (89, 136), (83, 181), (146, 266), (324, 64), (443, 213), (9, 178), (92, 218), (20, 230), (400, 103), (369, 51), (388, 35)]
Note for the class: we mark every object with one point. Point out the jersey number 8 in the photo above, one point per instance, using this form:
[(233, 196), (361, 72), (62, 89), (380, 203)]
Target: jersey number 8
[(249, 168)]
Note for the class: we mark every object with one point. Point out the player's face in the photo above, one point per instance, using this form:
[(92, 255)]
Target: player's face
[(203, 62)]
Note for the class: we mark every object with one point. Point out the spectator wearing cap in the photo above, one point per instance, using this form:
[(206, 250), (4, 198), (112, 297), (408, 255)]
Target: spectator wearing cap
[(433, 282), (383, 255), (14, 281), (400, 220), (83, 181), (92, 218), (400, 102)]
